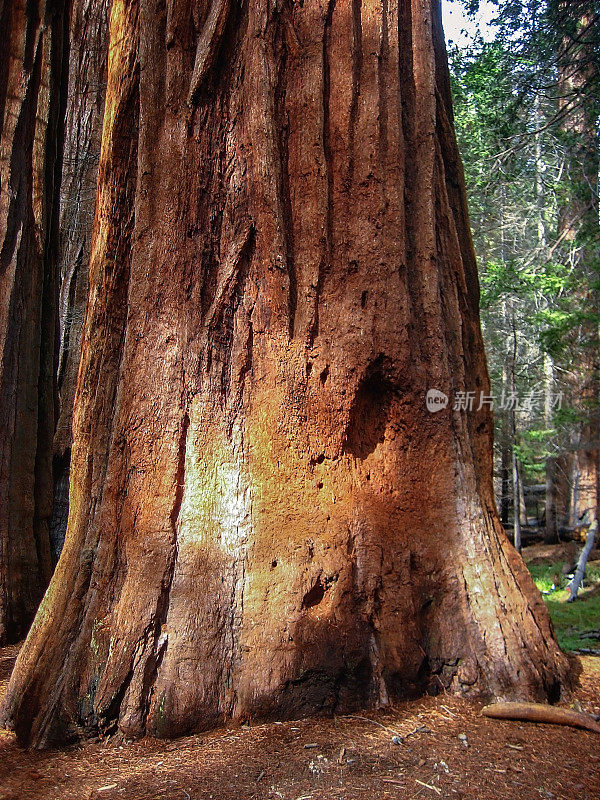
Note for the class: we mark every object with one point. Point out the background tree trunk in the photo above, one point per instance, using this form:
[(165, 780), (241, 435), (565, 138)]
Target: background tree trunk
[(578, 228), (32, 67), (265, 519), (552, 492), (505, 470), (85, 108)]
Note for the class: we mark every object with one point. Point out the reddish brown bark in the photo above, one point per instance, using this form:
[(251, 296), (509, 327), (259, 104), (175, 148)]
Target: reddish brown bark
[(265, 519), (32, 64)]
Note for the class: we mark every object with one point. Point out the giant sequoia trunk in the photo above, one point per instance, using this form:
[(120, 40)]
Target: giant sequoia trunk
[(32, 65), (265, 518)]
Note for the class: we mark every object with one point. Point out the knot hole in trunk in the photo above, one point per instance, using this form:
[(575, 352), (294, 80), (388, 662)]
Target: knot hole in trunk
[(369, 413)]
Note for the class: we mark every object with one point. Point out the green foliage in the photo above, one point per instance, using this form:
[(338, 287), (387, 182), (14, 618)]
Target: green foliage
[(532, 450), (571, 620), (526, 108), (548, 577)]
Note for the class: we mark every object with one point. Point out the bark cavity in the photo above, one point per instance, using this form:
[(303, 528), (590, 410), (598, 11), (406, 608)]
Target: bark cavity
[(369, 414)]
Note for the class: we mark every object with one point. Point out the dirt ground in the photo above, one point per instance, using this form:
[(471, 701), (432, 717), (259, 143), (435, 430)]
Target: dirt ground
[(449, 751)]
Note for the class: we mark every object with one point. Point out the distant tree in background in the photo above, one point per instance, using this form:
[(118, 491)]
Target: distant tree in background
[(33, 59), (527, 108)]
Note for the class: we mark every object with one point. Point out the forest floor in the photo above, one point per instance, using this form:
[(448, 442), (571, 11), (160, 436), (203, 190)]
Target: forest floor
[(448, 751)]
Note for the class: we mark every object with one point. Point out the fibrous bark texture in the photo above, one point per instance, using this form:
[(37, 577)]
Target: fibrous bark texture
[(83, 134), (32, 65), (265, 518)]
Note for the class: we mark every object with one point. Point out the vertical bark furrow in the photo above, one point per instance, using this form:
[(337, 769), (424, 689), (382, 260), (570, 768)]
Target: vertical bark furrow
[(357, 56), (327, 241), (383, 67), (282, 127), (422, 221), (208, 46)]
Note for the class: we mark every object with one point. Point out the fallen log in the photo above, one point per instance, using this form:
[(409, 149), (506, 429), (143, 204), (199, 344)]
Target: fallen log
[(538, 712)]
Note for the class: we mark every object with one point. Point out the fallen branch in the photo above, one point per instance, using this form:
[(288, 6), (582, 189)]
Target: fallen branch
[(538, 712), (586, 651), (590, 634)]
